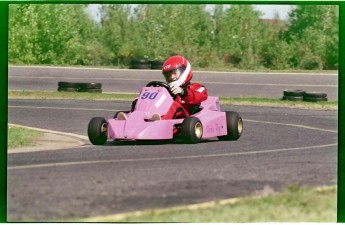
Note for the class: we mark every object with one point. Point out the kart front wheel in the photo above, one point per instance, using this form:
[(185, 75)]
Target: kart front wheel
[(191, 130), (234, 125), (97, 130)]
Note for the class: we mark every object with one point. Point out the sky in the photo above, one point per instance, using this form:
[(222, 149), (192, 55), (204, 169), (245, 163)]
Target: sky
[(268, 10)]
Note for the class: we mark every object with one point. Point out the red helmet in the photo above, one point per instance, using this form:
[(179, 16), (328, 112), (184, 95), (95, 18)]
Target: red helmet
[(181, 67)]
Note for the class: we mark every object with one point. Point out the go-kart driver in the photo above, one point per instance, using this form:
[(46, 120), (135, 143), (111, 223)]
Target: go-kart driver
[(178, 73)]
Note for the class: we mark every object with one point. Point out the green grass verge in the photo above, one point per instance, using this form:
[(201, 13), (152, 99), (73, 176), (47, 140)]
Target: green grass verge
[(293, 204), (329, 105), (70, 95), (20, 137)]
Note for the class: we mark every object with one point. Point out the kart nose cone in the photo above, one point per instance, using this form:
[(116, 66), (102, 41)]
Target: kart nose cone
[(138, 127)]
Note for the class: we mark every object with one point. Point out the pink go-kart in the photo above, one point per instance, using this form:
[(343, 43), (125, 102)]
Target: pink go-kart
[(143, 122)]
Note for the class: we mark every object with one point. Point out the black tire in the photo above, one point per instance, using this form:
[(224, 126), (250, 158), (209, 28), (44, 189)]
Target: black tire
[(156, 65), (97, 130), (67, 89), (90, 85), (191, 130), (294, 93), (315, 95), (134, 103), (293, 98), (64, 84), (234, 126), (140, 64), (91, 90), (141, 67), (310, 99)]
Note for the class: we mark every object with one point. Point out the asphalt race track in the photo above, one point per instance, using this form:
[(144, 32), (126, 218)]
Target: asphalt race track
[(278, 147)]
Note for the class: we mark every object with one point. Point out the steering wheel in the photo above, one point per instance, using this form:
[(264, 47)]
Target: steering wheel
[(161, 84)]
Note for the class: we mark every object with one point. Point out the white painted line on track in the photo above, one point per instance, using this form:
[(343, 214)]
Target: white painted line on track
[(204, 205), (113, 110), (78, 78), (71, 68), (205, 82), (269, 73), (61, 108), (277, 85), (51, 131), (293, 125), (265, 151)]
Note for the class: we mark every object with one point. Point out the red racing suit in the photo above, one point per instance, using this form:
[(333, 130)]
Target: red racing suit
[(194, 94)]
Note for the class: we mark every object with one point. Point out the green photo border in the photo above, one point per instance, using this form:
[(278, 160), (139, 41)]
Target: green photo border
[(341, 116), (3, 108), (4, 13)]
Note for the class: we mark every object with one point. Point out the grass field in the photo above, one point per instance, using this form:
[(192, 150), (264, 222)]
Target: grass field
[(18, 137)]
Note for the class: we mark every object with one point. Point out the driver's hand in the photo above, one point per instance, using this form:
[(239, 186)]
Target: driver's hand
[(176, 89)]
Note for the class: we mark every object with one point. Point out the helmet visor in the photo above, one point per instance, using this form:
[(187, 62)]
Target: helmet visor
[(173, 74)]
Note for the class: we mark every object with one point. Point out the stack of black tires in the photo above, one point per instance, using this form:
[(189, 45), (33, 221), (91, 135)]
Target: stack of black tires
[(300, 95), (156, 65), (145, 64), (79, 87)]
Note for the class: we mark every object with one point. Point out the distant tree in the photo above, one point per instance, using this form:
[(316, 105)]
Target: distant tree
[(240, 34), (218, 17), (174, 29), (313, 35), (211, 37), (22, 34), (116, 31), (275, 52), (49, 34)]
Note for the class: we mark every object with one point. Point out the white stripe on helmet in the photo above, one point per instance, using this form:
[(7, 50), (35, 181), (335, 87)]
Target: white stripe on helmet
[(201, 89)]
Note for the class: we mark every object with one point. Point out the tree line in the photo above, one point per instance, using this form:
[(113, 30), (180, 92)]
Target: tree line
[(211, 37)]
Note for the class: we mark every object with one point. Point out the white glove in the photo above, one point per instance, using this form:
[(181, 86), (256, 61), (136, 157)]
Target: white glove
[(176, 89)]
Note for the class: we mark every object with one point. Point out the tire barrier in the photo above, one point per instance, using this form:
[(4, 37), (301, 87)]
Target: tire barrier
[(300, 95), (146, 64), (80, 87), (315, 97), (293, 98), (293, 95), (140, 64), (156, 65), (67, 86)]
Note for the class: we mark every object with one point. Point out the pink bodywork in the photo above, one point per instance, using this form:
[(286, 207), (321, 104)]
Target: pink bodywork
[(151, 100)]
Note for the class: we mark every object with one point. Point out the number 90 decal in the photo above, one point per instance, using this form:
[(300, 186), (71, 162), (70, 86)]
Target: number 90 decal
[(149, 95)]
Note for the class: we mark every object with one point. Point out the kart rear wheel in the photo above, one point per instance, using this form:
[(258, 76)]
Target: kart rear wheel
[(97, 130), (191, 130), (234, 125)]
